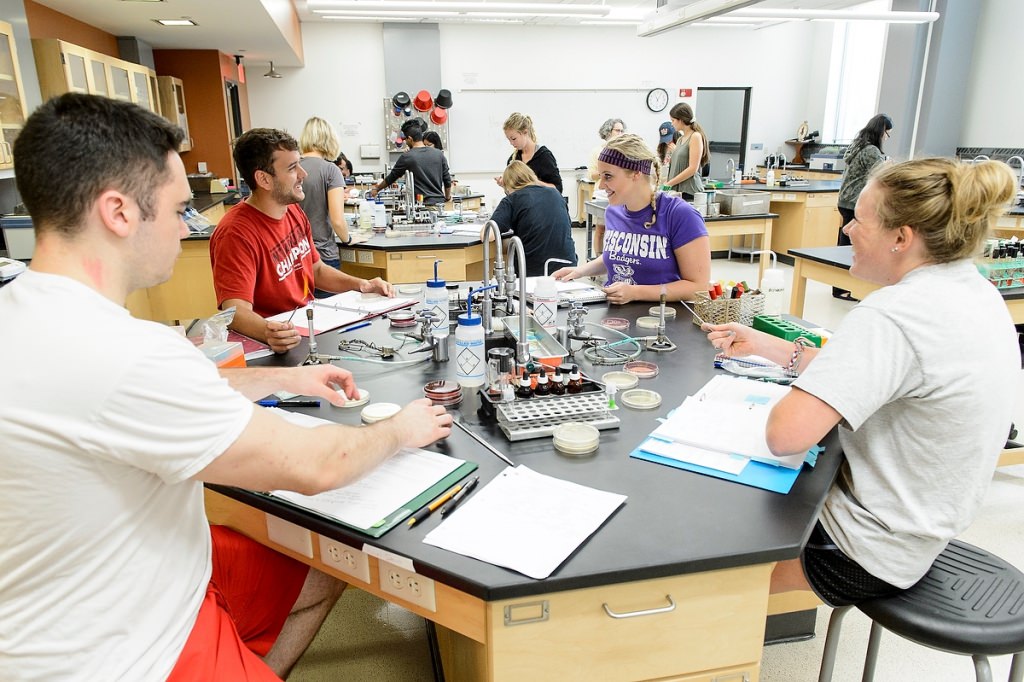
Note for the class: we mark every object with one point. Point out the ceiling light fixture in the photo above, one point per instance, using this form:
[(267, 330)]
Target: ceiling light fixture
[(272, 73), (325, 7), (709, 10), (175, 22)]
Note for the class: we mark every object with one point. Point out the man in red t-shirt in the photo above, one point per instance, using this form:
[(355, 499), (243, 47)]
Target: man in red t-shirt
[(262, 252)]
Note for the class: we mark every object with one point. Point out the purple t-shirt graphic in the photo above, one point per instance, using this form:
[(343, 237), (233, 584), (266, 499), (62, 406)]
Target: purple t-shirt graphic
[(635, 254)]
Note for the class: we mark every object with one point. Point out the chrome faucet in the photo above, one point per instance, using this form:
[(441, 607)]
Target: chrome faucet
[(730, 168), (980, 157), (1020, 174), (523, 344), (486, 303)]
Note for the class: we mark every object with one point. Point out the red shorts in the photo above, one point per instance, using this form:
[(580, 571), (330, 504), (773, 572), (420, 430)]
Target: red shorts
[(251, 593)]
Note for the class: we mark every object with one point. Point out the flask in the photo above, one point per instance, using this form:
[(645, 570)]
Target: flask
[(774, 288), (365, 214), (470, 365)]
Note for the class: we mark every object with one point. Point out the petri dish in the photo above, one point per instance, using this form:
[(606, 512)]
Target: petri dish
[(647, 322), (410, 289), (376, 412), (670, 312), (364, 397), (619, 324), (640, 399), (621, 380), (576, 438), (641, 369)]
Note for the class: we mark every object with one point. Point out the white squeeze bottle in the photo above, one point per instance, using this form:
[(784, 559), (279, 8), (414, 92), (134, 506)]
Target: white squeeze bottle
[(774, 289), (545, 298), (436, 300), (470, 364), (380, 214), (365, 215)]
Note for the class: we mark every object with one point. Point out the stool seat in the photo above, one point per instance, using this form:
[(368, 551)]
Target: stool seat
[(969, 602)]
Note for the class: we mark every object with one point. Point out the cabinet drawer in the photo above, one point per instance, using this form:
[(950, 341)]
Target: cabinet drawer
[(418, 266), (717, 623)]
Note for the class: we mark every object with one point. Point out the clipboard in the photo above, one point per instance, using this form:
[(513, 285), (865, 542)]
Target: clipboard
[(396, 517), (756, 474)]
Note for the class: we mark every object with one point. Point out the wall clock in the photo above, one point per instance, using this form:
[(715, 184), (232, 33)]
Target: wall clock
[(657, 99)]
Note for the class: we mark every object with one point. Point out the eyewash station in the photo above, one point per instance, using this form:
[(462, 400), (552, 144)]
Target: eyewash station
[(574, 396)]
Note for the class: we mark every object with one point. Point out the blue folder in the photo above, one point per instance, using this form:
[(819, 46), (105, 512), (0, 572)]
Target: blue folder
[(778, 479)]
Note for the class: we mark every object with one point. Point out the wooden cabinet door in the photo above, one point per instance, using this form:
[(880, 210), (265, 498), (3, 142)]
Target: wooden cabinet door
[(12, 96)]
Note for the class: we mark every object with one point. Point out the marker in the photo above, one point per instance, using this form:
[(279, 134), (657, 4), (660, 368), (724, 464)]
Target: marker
[(354, 327), (459, 496), (272, 402), (426, 511)]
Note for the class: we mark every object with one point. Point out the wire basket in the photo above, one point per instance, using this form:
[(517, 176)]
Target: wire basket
[(723, 310)]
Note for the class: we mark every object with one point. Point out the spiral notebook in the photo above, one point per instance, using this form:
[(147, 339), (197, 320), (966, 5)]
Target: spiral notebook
[(568, 292)]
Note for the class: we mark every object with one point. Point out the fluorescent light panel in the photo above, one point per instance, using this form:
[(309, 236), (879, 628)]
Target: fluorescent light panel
[(175, 22), (325, 7)]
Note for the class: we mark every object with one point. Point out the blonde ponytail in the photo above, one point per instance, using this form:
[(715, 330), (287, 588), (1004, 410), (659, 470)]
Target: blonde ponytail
[(521, 123), (949, 204)]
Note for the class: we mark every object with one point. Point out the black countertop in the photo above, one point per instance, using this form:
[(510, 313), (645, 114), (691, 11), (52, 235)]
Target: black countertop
[(402, 240), (674, 522)]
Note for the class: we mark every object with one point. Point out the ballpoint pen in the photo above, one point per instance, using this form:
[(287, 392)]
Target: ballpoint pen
[(429, 509), (354, 327), (459, 496), (273, 402)]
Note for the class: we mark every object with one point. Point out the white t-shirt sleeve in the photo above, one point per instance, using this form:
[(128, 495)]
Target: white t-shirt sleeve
[(170, 413), (865, 365)]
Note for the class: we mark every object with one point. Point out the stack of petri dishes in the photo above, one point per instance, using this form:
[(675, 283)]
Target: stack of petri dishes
[(377, 412), (364, 397), (619, 324), (402, 318), (640, 399), (443, 392), (576, 438)]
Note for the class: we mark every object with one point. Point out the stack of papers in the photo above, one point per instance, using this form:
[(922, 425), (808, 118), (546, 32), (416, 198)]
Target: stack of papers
[(525, 521), (568, 292), (340, 310)]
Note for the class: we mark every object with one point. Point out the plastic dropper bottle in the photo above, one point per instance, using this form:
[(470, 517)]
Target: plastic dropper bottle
[(525, 390), (575, 381), (558, 383), (543, 388)]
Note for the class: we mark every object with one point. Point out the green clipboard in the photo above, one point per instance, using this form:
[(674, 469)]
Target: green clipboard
[(406, 510)]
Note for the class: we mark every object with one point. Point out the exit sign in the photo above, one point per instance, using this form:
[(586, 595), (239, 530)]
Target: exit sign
[(686, 92)]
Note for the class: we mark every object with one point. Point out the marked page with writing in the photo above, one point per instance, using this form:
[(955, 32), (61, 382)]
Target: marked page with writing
[(719, 461), (379, 493), (525, 521), (340, 310)]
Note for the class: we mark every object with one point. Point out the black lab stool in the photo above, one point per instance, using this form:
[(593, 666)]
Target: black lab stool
[(970, 602)]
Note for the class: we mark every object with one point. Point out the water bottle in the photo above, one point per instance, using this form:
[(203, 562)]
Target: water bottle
[(470, 365)]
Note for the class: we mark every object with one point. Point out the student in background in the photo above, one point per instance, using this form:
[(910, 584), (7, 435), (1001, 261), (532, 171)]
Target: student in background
[(262, 253), (535, 213), (667, 135), (609, 130), (520, 134), (432, 139), (892, 378), (427, 164), (110, 569), (324, 190), (651, 239), (861, 157), (345, 165), (690, 155)]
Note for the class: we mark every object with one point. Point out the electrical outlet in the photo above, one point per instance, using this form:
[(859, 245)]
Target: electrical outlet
[(346, 559), (407, 585), (365, 257), (347, 255)]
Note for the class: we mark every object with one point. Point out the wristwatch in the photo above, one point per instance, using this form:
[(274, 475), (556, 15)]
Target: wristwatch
[(348, 241)]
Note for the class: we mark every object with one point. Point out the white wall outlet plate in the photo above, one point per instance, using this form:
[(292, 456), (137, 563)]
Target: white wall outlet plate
[(365, 257), (348, 560), (286, 534), (407, 585), (202, 167)]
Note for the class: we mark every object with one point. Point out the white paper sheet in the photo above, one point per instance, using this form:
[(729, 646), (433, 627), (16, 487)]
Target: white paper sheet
[(525, 521), (339, 310), (379, 493), (720, 461)]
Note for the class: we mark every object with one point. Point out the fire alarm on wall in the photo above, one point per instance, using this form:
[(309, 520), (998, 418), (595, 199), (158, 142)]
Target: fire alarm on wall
[(686, 92)]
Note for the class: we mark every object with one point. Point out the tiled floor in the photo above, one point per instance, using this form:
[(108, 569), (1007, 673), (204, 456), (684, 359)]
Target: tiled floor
[(369, 640)]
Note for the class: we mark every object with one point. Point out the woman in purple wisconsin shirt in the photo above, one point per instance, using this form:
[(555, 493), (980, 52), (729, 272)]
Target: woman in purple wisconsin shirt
[(650, 239)]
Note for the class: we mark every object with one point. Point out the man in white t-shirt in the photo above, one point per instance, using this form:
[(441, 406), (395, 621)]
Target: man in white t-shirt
[(110, 426)]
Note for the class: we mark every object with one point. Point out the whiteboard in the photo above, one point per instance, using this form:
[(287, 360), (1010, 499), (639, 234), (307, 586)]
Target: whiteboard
[(566, 122)]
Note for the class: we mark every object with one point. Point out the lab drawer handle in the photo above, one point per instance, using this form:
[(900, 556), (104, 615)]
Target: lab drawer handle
[(645, 612), (431, 256)]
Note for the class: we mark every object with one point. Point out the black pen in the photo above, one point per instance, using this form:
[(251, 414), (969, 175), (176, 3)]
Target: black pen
[(458, 497), (429, 509), (270, 402)]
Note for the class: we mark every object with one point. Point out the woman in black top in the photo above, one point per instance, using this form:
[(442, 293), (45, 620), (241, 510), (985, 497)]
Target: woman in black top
[(521, 135)]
